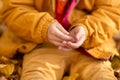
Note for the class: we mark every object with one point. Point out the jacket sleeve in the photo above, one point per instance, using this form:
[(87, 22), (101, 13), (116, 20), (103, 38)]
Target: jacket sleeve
[(22, 18), (101, 23)]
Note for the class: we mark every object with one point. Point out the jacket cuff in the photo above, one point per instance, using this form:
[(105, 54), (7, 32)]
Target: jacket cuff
[(47, 20)]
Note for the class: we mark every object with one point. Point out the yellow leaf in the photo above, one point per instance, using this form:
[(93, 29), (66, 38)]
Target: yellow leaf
[(7, 70), (19, 70)]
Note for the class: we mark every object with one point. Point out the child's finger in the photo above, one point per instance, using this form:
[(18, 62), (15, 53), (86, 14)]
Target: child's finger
[(76, 44)]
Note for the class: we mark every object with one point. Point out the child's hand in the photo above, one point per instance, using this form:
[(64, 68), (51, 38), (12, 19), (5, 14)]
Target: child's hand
[(57, 34), (78, 33)]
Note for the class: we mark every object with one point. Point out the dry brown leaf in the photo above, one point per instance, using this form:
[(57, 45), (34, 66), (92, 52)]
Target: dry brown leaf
[(3, 78), (5, 60)]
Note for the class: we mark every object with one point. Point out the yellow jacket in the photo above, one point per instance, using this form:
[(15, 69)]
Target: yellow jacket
[(30, 19)]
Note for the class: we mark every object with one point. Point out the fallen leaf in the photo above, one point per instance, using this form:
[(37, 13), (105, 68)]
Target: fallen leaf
[(7, 70)]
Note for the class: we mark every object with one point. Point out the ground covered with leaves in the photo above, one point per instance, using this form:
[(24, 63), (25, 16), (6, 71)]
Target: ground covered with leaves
[(10, 69)]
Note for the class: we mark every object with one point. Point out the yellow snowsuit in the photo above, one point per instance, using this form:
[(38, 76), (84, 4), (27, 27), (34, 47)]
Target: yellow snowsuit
[(28, 21)]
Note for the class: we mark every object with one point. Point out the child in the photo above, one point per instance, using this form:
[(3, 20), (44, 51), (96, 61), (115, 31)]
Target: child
[(63, 36)]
